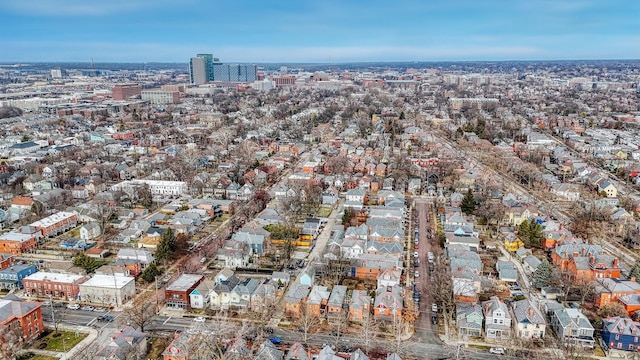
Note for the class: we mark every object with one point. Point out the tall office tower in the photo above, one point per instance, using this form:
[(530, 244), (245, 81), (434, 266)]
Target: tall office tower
[(210, 68), (198, 73)]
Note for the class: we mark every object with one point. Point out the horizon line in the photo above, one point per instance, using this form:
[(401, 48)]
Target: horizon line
[(318, 63)]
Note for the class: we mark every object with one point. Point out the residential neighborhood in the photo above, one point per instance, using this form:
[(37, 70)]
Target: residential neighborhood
[(322, 213)]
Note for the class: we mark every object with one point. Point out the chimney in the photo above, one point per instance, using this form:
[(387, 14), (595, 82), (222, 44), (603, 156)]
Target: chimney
[(584, 251), (633, 278), (592, 260), (530, 312), (615, 265)]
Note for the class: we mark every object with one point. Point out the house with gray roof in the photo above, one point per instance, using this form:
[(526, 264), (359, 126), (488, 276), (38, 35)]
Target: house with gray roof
[(255, 241), (336, 303), (241, 293), (124, 344), (461, 256), (469, 318), (297, 352), (497, 319), (220, 295), (506, 271), (572, 327), (528, 320), (268, 351), (531, 263)]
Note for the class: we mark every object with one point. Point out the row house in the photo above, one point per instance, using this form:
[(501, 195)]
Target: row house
[(16, 243), (200, 296), (21, 316), (336, 303), (142, 256), (56, 224), (317, 299), (369, 266), (294, 298), (359, 306), (264, 296), (11, 277), (47, 284)]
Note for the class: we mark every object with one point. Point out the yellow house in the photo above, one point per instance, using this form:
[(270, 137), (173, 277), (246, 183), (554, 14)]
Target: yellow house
[(512, 243), (621, 155)]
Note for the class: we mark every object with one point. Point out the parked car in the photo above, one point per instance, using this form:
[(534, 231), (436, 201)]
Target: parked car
[(434, 307), (430, 267), (268, 330), (497, 350), (416, 274), (203, 260), (99, 309), (107, 318), (46, 303), (87, 308), (415, 254), (59, 304), (73, 306), (200, 319), (416, 263), (416, 246), (434, 319), (275, 340)]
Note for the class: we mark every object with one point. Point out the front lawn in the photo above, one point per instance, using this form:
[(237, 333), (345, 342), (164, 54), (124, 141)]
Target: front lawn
[(61, 341)]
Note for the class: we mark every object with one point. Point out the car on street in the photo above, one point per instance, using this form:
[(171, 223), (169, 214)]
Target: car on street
[(416, 295), (203, 260), (434, 319), (416, 246), (430, 267), (275, 340), (496, 350), (99, 309), (73, 306), (416, 263), (434, 307), (416, 273), (166, 278), (46, 303), (106, 318), (200, 319), (59, 304), (87, 308), (415, 254)]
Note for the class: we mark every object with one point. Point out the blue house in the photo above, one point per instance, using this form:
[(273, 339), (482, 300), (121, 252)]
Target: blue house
[(621, 334), (11, 277)]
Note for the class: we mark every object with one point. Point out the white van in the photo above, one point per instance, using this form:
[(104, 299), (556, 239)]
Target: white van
[(430, 256)]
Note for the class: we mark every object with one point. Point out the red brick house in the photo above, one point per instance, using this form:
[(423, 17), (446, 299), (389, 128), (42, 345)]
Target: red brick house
[(177, 294), (23, 317), (59, 286)]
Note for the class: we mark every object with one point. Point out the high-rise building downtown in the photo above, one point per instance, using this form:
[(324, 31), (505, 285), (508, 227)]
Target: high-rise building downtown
[(205, 66)]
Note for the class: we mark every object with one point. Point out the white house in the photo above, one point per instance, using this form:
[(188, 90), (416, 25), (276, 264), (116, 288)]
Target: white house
[(90, 231), (497, 319), (200, 296), (529, 321)]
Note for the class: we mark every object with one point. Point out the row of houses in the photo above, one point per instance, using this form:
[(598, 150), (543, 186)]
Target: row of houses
[(26, 238)]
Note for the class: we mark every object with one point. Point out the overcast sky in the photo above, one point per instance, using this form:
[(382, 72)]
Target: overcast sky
[(318, 31)]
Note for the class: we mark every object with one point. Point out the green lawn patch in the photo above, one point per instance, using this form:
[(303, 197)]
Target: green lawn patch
[(324, 211), (61, 341)]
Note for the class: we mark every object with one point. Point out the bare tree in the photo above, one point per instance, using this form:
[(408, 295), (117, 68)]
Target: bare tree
[(11, 339), (442, 285), (368, 332), (141, 312), (307, 322)]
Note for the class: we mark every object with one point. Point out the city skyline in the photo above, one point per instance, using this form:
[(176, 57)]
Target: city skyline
[(327, 31)]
